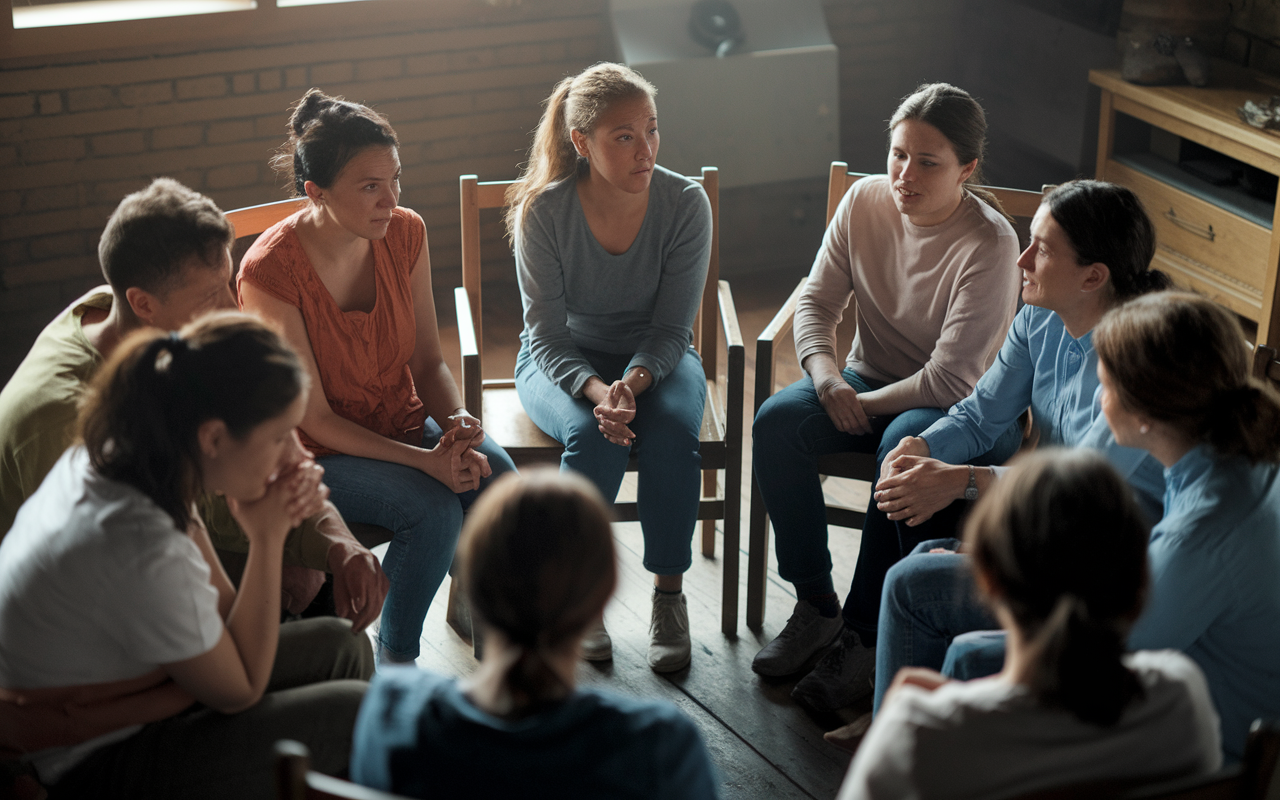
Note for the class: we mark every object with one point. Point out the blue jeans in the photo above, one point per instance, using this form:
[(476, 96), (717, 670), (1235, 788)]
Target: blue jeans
[(424, 517), (929, 599), (667, 423), (790, 432)]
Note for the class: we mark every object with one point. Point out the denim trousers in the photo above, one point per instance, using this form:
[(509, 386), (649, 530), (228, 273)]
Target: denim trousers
[(929, 599), (790, 432), (667, 423), (424, 517)]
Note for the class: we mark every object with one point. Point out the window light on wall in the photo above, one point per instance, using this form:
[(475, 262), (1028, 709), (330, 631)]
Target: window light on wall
[(47, 14)]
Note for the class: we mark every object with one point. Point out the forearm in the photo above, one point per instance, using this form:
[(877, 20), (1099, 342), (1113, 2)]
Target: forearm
[(349, 438), (438, 392), (332, 534), (894, 398), (254, 622), (638, 379), (823, 369)]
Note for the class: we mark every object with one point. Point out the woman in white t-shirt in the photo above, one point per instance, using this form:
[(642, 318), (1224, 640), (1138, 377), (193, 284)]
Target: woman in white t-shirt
[(113, 602), (1059, 549)]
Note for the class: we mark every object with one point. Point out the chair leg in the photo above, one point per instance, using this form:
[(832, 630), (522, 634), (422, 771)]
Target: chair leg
[(757, 559), (732, 549), (458, 613), (709, 525)]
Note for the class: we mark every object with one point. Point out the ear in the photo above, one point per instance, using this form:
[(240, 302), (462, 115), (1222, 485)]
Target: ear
[(1097, 275), (314, 192), (579, 140), (145, 305), (968, 170), (212, 436)]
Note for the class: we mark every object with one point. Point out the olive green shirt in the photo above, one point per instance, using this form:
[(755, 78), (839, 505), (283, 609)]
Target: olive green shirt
[(38, 410)]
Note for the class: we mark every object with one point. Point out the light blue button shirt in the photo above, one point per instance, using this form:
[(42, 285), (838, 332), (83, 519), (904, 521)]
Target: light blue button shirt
[(1215, 584), (1042, 366)]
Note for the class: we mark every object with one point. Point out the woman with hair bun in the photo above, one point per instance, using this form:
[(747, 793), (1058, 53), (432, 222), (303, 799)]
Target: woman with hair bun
[(612, 253), (925, 258), (538, 564), (348, 279), (154, 675), (1066, 578)]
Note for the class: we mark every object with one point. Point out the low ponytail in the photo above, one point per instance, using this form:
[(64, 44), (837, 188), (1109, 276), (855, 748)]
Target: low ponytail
[(140, 418), (1181, 359), (1062, 546)]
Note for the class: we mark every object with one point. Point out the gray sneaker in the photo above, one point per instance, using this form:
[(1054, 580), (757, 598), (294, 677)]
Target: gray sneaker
[(669, 646), (806, 633), (596, 644), (841, 678)]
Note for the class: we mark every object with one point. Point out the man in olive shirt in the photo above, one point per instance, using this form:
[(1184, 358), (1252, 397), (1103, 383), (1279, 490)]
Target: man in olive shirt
[(165, 253)]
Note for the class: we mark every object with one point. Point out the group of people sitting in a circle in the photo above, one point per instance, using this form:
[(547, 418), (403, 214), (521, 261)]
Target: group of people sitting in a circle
[(177, 475)]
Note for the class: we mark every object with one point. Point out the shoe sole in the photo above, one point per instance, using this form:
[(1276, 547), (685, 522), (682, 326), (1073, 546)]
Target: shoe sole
[(665, 668), (822, 707), (605, 655)]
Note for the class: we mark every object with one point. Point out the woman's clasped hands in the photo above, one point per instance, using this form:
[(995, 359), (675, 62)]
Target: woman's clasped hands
[(455, 461)]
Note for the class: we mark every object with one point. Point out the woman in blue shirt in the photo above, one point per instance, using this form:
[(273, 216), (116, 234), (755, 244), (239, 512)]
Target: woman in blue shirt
[(538, 564), (1174, 381)]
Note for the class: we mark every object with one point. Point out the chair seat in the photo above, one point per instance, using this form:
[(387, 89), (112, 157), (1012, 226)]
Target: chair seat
[(857, 466), (506, 421)]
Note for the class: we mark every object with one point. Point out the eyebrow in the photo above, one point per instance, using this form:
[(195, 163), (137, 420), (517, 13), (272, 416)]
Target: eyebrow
[(628, 126)]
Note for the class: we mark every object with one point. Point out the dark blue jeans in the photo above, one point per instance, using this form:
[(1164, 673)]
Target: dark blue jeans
[(667, 423), (790, 432), (424, 517)]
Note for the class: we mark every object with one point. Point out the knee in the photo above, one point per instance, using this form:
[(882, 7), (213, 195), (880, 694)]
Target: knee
[(976, 654), (346, 655), (777, 423)]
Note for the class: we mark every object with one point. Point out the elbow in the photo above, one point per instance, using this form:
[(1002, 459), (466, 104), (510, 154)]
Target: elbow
[(236, 702)]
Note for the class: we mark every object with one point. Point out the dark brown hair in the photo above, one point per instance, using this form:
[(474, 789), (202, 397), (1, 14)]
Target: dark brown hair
[(142, 412), (1063, 546), (1107, 224), (576, 104), (957, 116), (324, 134), (538, 564), (153, 235), (1181, 358)]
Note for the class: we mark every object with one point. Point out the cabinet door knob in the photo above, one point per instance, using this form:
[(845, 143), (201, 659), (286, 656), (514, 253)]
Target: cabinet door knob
[(1189, 226)]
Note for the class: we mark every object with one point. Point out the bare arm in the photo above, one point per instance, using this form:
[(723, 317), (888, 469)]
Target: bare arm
[(359, 584), (217, 575)]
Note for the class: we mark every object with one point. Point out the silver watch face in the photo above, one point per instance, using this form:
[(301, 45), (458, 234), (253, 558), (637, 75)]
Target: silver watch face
[(971, 493)]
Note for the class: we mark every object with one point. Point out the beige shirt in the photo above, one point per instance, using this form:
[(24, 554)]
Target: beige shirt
[(932, 304)]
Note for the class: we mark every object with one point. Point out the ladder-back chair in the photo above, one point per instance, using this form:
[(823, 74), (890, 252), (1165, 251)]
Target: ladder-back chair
[(295, 779), (497, 405), (1266, 367), (1017, 203)]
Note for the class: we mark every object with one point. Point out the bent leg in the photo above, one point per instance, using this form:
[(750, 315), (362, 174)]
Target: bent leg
[(929, 599), (320, 649), (975, 655), (425, 518), (668, 421)]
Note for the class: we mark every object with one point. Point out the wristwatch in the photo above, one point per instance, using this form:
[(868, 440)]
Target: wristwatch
[(971, 491)]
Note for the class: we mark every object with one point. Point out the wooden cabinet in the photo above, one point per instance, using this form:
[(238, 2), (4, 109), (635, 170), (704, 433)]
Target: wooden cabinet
[(1209, 181)]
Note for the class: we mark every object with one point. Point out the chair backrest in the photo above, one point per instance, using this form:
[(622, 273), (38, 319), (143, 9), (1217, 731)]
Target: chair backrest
[(296, 781), (252, 220), (1016, 202), (477, 195)]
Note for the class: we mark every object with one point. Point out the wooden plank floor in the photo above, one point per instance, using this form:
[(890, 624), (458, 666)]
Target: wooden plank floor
[(763, 744)]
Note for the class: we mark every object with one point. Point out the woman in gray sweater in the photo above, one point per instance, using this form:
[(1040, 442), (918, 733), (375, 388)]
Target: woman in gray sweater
[(612, 253)]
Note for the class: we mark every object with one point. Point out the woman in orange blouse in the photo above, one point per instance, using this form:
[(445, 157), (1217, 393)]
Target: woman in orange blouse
[(348, 279)]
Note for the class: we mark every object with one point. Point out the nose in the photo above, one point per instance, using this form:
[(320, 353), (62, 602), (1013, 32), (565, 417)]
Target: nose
[(1025, 259), (391, 197), (644, 151), (907, 172)]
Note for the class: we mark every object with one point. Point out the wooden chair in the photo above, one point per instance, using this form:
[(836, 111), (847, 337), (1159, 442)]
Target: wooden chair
[(296, 781), (497, 405), (1266, 367), (1248, 780), (1017, 203)]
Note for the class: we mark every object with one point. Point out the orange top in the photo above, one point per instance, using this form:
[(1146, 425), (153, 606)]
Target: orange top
[(363, 357)]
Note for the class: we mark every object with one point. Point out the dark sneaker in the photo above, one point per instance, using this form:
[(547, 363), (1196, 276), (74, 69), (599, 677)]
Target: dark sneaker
[(805, 634), (841, 678)]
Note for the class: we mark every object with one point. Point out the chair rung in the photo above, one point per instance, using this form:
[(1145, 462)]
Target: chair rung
[(845, 517), (707, 509)]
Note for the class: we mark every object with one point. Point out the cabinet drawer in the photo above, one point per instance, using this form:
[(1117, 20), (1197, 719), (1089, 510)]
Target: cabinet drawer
[(1226, 252)]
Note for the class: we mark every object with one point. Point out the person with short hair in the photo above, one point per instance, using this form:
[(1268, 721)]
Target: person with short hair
[(348, 279), (927, 259), (539, 564), (115, 613), (165, 253), (612, 252), (1066, 578)]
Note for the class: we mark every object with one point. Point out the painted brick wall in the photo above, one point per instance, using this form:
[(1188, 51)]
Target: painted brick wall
[(76, 136)]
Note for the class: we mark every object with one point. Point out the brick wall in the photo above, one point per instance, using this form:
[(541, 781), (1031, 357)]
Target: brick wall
[(463, 93)]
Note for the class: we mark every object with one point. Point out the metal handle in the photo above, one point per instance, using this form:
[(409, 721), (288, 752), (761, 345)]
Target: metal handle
[(1189, 226)]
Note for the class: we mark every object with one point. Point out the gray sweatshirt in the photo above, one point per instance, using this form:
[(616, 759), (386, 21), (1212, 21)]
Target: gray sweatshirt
[(578, 295)]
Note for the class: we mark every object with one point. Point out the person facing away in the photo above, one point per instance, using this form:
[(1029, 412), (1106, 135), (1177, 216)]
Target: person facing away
[(1059, 554), (348, 279), (538, 564), (159, 679), (165, 254), (1174, 378), (928, 261), (612, 252)]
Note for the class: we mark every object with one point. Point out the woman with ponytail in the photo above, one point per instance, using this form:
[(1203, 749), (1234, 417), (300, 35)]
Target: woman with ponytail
[(114, 609), (1059, 552), (348, 279), (538, 564), (612, 253)]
